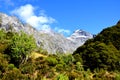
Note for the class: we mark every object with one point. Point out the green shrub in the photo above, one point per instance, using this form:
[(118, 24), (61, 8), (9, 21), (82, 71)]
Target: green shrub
[(78, 58), (72, 75), (42, 51), (20, 47), (62, 77), (27, 68), (3, 46), (11, 66), (5, 38), (117, 77), (14, 74), (79, 66), (68, 59), (50, 74), (59, 67), (2, 35), (51, 61), (3, 63)]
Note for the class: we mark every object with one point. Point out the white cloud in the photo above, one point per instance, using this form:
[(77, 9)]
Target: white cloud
[(63, 31), (42, 22), (24, 12), (27, 14)]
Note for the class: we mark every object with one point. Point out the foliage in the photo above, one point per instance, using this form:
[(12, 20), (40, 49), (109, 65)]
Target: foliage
[(27, 68), (97, 59), (110, 35), (117, 77), (68, 59), (42, 51), (40, 69), (20, 47), (3, 63), (102, 52), (51, 61), (62, 77), (79, 66), (15, 74), (2, 35), (4, 40), (11, 66)]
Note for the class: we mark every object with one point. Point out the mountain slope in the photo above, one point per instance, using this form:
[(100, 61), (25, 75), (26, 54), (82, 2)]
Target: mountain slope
[(103, 51), (51, 41)]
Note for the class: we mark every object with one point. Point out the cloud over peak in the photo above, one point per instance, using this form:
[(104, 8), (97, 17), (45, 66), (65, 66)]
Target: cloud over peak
[(41, 22), (27, 14)]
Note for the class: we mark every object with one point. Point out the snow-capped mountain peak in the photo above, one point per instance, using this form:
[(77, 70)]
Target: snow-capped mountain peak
[(80, 36), (80, 32)]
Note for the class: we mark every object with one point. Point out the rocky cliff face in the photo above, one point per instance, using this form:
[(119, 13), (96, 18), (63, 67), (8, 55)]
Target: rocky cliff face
[(51, 41), (79, 37)]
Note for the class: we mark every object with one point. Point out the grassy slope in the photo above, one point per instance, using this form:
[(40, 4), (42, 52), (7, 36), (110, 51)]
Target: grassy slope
[(35, 55)]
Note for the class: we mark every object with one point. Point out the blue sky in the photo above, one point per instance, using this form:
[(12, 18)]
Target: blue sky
[(65, 16)]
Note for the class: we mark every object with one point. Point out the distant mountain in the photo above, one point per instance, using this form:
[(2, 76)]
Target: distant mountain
[(79, 37), (51, 41)]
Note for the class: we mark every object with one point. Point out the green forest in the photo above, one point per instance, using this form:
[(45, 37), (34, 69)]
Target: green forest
[(97, 59)]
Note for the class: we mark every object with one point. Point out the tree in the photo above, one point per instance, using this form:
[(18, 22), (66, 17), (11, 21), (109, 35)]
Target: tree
[(2, 35), (99, 55), (20, 47), (103, 51), (3, 40)]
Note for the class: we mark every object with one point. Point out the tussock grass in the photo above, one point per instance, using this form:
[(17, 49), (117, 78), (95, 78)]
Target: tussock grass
[(35, 55)]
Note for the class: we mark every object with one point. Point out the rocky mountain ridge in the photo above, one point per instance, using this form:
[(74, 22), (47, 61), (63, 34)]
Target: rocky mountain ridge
[(51, 41), (80, 36)]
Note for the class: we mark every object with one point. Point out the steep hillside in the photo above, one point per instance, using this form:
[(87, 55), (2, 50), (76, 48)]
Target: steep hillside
[(103, 51), (21, 59), (51, 41)]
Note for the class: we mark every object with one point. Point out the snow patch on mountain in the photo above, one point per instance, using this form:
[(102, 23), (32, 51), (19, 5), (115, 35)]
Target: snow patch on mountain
[(79, 37)]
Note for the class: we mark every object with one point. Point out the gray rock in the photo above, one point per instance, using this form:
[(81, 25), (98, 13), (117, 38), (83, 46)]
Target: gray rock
[(51, 41), (79, 37)]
